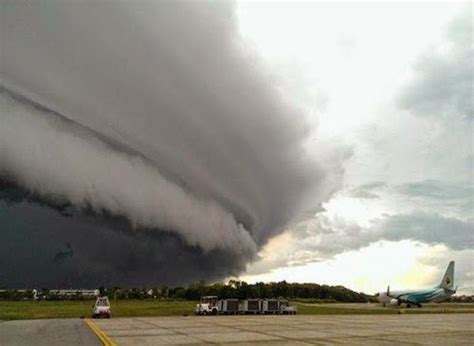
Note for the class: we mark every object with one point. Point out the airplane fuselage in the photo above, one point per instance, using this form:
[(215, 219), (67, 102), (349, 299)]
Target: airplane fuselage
[(416, 297)]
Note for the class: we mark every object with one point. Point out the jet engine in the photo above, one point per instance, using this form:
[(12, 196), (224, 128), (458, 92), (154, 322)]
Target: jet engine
[(394, 302)]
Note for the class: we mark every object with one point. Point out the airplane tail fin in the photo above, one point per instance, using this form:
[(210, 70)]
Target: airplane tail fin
[(448, 278)]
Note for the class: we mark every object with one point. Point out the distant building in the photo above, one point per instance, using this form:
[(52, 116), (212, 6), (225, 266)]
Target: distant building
[(74, 293)]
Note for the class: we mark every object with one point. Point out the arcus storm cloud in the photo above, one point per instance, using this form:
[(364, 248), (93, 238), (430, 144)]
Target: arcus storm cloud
[(157, 113)]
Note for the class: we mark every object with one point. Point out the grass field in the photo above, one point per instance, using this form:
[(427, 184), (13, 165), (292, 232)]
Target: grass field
[(329, 309), (74, 309), (376, 309), (130, 308)]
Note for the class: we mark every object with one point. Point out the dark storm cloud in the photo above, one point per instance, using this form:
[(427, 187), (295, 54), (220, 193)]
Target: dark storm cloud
[(72, 164), (443, 82), (45, 244), (154, 112)]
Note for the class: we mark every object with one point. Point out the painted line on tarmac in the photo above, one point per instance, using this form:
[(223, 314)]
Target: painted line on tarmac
[(104, 338)]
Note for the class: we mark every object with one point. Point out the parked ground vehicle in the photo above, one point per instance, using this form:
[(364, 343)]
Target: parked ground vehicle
[(270, 306), (285, 308), (207, 306), (101, 308), (252, 306), (210, 305), (229, 306)]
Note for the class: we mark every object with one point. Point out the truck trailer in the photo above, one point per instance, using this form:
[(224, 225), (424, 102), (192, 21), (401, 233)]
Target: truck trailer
[(229, 306)]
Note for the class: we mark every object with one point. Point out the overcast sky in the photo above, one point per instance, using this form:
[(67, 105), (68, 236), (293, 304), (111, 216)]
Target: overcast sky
[(392, 85), (299, 141)]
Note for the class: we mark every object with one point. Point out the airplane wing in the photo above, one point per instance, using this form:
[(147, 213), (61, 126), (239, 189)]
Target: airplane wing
[(404, 298), (411, 297)]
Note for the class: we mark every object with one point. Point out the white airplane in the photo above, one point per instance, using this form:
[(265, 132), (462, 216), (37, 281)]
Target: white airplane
[(416, 297)]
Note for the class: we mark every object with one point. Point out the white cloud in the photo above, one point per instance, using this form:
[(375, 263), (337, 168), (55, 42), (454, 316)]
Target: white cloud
[(443, 82), (408, 177), (369, 269)]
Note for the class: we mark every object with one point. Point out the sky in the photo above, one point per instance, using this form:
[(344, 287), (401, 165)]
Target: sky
[(169, 142), (393, 82)]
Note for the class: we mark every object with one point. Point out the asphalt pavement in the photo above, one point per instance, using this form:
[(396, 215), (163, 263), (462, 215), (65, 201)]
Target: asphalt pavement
[(49, 332), (413, 329)]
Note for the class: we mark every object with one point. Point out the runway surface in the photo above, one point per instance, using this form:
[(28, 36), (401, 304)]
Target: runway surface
[(423, 329), (419, 329), (47, 332)]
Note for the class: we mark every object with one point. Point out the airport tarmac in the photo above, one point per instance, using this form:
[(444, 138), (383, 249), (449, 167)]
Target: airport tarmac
[(415, 329), (50, 332), (419, 329)]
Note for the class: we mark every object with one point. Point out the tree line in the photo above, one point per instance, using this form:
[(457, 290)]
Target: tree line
[(282, 289), (232, 289)]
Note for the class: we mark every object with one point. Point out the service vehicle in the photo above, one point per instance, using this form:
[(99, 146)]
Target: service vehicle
[(101, 308), (253, 306), (207, 306), (285, 308), (270, 306), (229, 306), (211, 305)]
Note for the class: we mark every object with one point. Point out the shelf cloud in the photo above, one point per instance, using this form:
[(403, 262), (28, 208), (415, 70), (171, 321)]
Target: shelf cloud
[(151, 127)]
